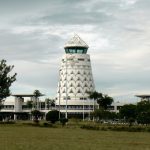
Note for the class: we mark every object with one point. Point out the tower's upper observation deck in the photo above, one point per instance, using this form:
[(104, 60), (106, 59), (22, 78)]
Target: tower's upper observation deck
[(76, 45)]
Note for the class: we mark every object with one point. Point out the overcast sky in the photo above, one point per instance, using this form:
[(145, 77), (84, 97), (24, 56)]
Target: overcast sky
[(33, 34)]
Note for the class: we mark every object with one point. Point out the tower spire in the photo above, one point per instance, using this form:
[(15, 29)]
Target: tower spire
[(76, 41)]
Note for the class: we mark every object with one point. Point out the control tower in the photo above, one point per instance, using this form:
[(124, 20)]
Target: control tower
[(75, 79)]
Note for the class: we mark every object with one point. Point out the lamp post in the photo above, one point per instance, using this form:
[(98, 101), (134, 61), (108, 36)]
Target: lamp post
[(83, 105), (59, 91), (93, 107), (66, 115), (89, 109)]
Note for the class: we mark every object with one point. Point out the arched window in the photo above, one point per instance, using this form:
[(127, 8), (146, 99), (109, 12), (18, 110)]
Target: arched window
[(86, 91), (71, 91), (79, 91), (86, 85), (78, 79)]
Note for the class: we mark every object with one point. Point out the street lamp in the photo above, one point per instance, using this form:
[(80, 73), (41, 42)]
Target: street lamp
[(59, 91), (66, 115)]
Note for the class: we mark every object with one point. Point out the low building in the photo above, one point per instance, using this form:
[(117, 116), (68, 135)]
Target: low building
[(17, 108)]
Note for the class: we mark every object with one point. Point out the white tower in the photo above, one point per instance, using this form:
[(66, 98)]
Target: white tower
[(75, 79)]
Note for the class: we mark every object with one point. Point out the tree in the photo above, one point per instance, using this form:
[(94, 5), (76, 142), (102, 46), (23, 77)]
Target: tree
[(37, 94), (105, 101), (63, 121), (143, 106), (143, 112), (128, 112), (52, 116), (102, 99), (100, 114), (49, 102), (29, 104), (6, 80), (36, 114)]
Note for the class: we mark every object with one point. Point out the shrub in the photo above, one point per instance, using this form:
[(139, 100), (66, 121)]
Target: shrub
[(52, 116), (36, 114), (89, 127), (7, 122), (63, 121), (46, 124)]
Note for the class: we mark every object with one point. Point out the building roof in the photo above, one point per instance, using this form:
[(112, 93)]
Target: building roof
[(76, 41), (143, 96), (25, 95)]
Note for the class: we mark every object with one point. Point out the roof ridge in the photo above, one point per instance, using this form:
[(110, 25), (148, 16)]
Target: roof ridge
[(76, 41)]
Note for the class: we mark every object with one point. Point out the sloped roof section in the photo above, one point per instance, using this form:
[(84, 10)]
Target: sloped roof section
[(76, 41)]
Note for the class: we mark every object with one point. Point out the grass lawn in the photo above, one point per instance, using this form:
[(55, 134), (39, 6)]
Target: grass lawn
[(37, 138)]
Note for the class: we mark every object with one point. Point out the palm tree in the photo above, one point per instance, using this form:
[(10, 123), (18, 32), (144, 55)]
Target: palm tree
[(37, 94), (103, 100)]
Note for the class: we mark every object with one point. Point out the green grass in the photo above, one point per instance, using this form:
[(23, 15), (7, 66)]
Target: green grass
[(13, 137)]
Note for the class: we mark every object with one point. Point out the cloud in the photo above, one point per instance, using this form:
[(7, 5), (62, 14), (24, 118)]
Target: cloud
[(33, 34)]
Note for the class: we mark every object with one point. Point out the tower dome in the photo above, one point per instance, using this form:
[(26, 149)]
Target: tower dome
[(76, 45)]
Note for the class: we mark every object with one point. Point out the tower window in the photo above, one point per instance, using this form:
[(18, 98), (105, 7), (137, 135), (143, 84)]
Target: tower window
[(86, 91), (80, 59), (78, 79), (71, 91), (79, 91), (85, 85), (79, 50)]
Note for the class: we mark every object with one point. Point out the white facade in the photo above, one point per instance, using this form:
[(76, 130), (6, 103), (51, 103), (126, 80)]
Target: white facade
[(75, 77), (11, 107)]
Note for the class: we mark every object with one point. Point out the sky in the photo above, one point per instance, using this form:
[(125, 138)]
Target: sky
[(33, 34)]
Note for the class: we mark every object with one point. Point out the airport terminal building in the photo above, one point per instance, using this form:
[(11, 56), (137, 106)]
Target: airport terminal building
[(75, 81)]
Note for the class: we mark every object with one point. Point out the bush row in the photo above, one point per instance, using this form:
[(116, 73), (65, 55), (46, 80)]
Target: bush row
[(7, 122), (116, 128)]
